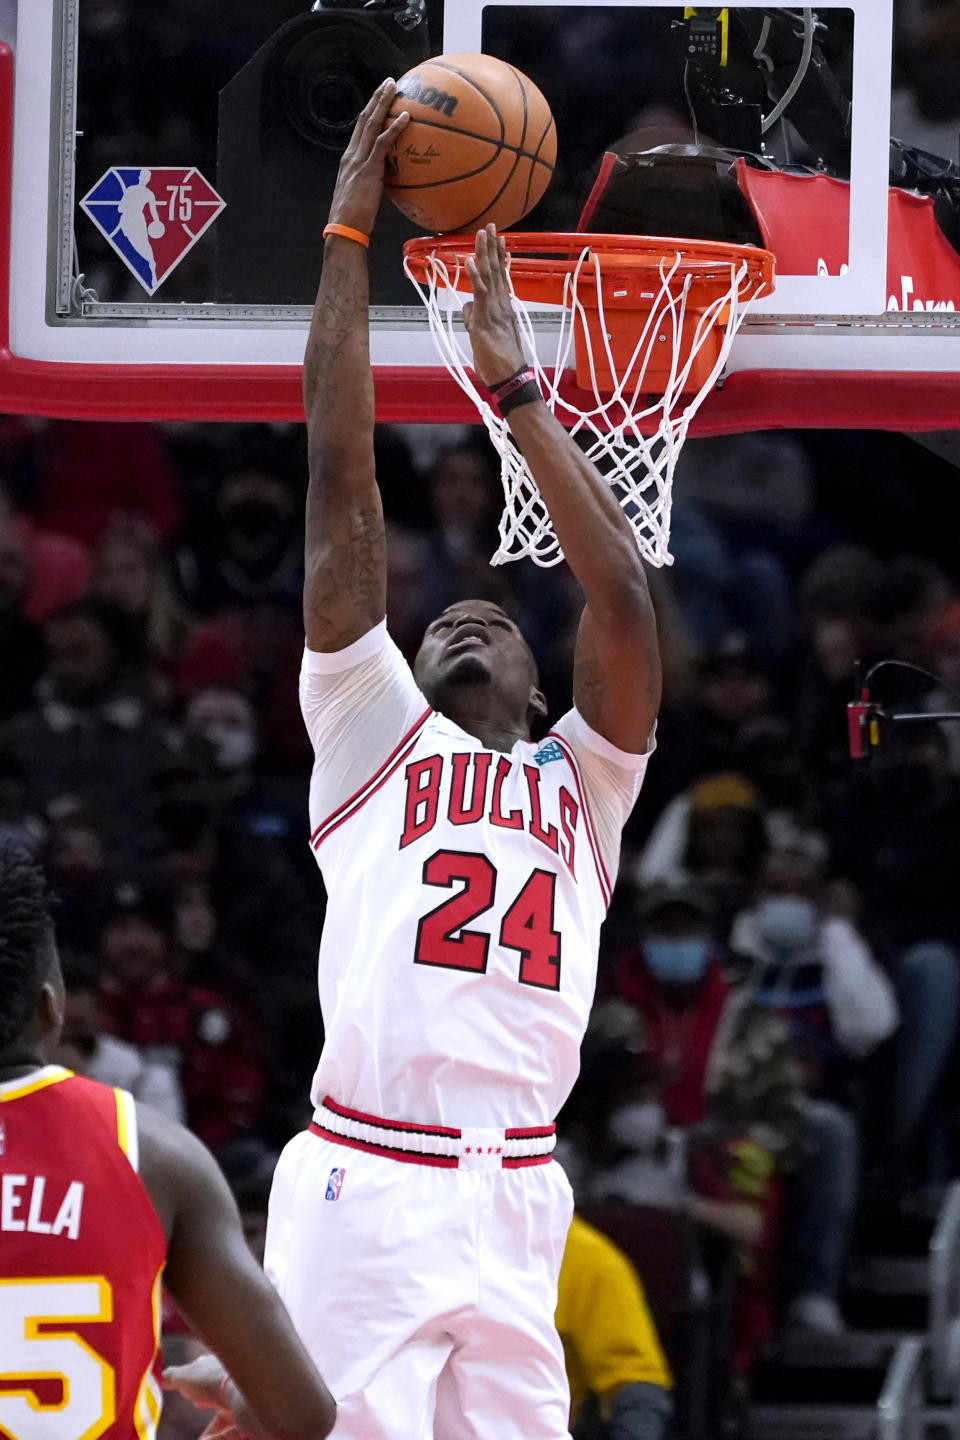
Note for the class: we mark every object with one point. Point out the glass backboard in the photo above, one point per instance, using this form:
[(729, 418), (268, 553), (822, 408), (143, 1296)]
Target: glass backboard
[(172, 165)]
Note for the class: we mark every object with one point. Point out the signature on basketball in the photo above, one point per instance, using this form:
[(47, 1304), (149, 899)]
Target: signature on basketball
[(416, 156)]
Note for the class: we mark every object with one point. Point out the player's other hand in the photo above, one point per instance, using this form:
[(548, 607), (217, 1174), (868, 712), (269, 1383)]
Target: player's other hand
[(222, 1428), (199, 1382), (356, 196), (489, 318)]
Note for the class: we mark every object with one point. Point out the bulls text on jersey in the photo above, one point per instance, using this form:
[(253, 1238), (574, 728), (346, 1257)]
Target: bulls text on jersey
[(475, 793)]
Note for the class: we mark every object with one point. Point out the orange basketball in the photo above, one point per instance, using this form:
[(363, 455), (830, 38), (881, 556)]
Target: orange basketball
[(480, 146)]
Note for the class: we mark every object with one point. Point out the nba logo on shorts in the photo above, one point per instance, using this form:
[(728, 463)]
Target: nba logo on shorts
[(152, 217), (335, 1184)]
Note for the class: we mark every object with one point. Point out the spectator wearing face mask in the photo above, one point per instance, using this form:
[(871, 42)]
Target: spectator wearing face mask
[(252, 553), (713, 1067), (87, 1047), (77, 873), (810, 965), (893, 833), (264, 909), (85, 741), (217, 1052), (241, 573), (265, 806), (727, 1074)]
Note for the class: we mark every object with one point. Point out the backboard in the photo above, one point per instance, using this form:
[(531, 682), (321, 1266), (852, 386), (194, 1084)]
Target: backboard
[(169, 168)]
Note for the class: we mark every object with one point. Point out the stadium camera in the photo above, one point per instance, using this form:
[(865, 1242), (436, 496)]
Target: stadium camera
[(327, 71), (284, 121)]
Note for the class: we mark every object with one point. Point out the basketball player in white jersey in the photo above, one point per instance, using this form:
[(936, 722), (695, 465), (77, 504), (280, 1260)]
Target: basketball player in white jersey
[(416, 1230)]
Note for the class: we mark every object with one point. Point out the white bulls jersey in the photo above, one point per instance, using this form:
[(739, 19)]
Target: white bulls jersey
[(466, 890)]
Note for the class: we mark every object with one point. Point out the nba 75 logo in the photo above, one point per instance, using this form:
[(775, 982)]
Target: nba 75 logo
[(152, 217), (335, 1184)]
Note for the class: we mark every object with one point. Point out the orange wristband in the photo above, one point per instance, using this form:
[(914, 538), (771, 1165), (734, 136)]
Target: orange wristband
[(348, 234)]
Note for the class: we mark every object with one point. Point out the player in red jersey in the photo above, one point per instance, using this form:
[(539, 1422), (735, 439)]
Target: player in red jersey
[(99, 1199)]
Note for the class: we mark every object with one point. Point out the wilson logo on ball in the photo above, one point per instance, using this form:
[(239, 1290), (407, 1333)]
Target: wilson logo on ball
[(479, 146), (428, 96)]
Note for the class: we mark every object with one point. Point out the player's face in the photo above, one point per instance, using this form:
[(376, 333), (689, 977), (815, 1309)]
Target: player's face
[(475, 641)]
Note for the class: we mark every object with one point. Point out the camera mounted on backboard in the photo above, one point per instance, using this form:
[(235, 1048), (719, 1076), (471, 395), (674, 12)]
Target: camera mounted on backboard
[(405, 14), (285, 119), (325, 65)]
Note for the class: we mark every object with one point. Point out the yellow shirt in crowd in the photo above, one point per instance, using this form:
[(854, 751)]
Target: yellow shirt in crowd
[(609, 1339)]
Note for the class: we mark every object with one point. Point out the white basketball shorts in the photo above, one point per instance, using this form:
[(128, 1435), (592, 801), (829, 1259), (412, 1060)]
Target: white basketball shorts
[(425, 1296)]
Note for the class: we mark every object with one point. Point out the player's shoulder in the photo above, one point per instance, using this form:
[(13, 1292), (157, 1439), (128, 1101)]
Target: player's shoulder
[(176, 1168), (54, 1088), (581, 743)]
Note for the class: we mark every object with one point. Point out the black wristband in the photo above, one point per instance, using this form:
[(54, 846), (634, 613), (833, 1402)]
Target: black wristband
[(518, 389), (523, 395), (503, 387)]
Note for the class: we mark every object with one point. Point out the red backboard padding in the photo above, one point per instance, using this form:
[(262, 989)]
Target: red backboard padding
[(805, 221)]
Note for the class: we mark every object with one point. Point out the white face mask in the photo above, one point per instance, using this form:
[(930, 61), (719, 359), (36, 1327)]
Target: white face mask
[(787, 923), (232, 745), (638, 1126)]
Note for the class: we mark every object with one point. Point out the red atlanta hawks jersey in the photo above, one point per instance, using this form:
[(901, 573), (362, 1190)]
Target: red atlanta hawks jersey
[(466, 889), (81, 1254)]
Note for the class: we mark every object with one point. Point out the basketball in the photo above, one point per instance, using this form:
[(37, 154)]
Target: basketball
[(480, 146), (155, 229)]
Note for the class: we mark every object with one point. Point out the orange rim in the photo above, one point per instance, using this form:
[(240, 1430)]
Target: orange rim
[(542, 262)]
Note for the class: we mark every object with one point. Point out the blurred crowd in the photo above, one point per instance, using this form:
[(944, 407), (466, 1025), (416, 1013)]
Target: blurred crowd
[(774, 1033)]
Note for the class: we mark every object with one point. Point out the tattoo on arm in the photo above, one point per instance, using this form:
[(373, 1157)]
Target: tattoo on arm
[(345, 589), (346, 584), (590, 689), (616, 677), (341, 303)]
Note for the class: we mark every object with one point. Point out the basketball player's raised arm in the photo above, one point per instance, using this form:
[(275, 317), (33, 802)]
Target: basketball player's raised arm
[(616, 680), (345, 573), (274, 1391)]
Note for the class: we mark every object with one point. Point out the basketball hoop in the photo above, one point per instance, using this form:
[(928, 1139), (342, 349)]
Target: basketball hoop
[(649, 323)]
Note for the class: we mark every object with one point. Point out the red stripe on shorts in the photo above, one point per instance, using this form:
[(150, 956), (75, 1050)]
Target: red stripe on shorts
[(331, 1104)]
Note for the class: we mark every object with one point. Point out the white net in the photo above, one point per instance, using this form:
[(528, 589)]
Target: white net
[(638, 466)]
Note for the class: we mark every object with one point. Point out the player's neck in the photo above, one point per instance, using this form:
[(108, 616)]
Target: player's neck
[(469, 708), (20, 1061)]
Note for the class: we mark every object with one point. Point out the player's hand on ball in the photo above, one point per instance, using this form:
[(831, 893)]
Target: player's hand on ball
[(356, 195), (489, 318)]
